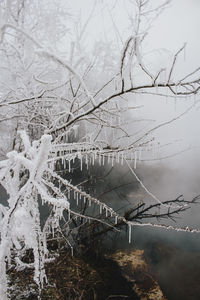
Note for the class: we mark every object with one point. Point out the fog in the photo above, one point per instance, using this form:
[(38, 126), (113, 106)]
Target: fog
[(179, 174), (179, 23)]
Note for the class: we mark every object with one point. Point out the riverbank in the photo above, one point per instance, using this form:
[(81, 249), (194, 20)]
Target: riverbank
[(117, 276)]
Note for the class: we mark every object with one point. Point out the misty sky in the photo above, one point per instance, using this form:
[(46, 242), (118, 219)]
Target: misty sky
[(178, 24)]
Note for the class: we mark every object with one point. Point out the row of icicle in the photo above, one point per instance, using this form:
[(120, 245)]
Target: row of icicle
[(78, 194)]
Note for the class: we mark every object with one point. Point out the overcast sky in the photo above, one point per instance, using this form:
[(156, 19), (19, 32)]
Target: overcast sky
[(178, 24)]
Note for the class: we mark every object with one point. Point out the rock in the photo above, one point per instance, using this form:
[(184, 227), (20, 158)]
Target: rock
[(135, 269)]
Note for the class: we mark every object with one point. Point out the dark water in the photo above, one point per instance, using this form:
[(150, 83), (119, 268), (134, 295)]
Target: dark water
[(174, 257)]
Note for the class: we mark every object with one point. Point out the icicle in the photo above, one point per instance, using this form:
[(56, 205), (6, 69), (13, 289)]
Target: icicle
[(77, 199), (86, 161), (64, 164), (108, 158), (118, 157), (106, 212), (135, 160), (74, 195), (156, 89), (69, 162), (122, 158), (166, 95), (100, 209), (99, 159), (113, 159), (69, 217), (81, 163), (75, 132), (103, 162), (176, 89), (84, 200), (90, 202), (129, 233), (140, 154), (115, 219), (93, 157)]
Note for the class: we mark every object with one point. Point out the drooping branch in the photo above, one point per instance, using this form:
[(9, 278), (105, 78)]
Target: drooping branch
[(154, 211)]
